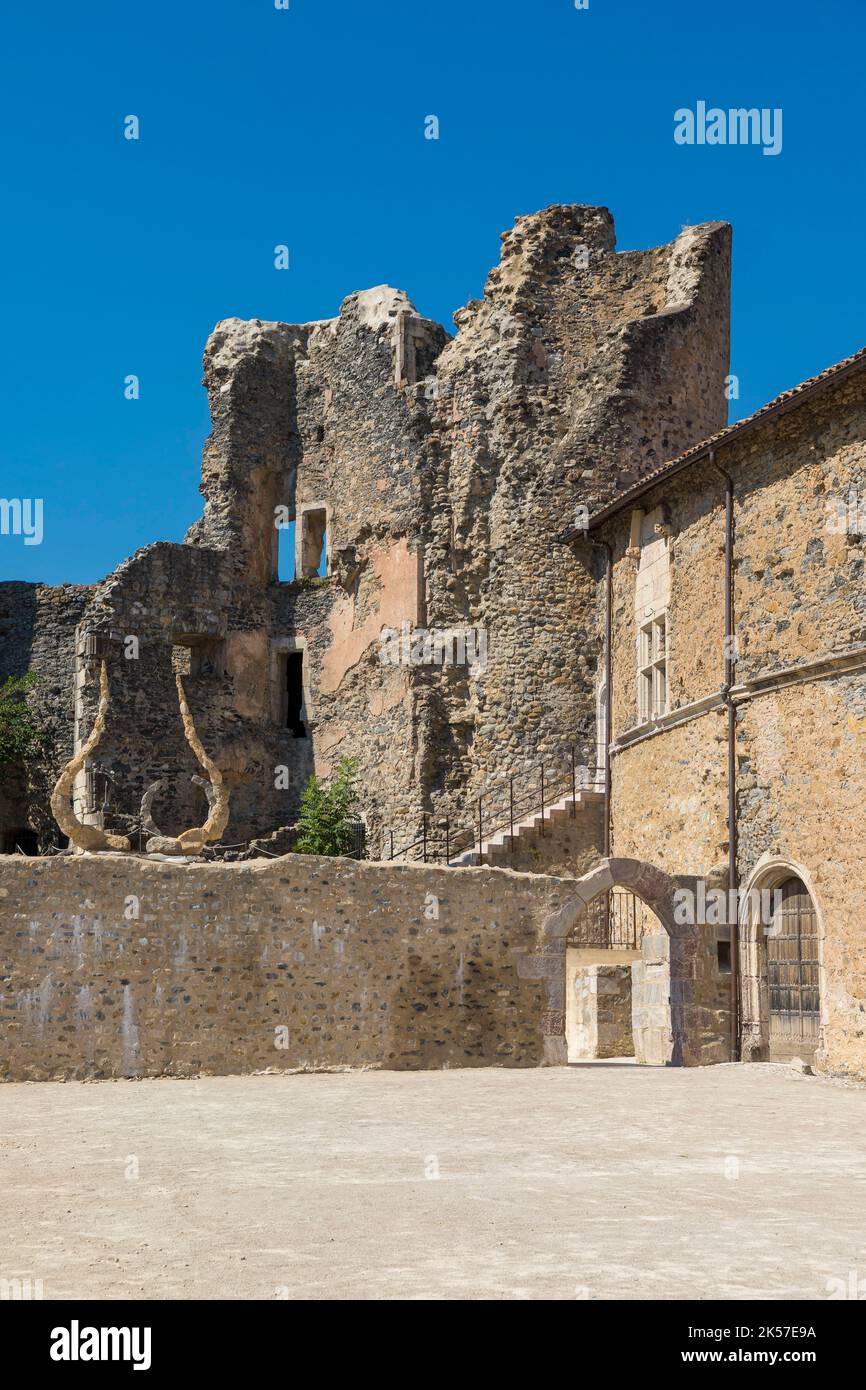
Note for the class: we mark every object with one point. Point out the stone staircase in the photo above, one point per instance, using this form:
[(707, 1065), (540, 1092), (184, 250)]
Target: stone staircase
[(496, 850)]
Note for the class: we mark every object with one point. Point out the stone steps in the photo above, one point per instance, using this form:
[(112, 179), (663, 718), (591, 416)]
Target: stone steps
[(496, 849)]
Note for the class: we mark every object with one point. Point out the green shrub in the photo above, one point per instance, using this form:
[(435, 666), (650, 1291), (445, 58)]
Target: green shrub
[(327, 812), (19, 738)]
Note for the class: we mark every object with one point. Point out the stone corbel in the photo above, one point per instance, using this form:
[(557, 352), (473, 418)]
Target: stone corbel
[(84, 837)]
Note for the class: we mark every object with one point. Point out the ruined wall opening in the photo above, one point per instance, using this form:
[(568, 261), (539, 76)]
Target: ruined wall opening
[(196, 655), (285, 566), (314, 547), (294, 687)]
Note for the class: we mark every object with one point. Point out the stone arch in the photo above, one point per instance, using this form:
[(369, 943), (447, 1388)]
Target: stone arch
[(770, 872), (701, 1033), (649, 883)]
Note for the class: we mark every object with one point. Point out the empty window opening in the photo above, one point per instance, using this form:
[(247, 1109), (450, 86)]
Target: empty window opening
[(314, 549), (723, 957), (653, 669), (286, 570), (192, 655), (295, 694)]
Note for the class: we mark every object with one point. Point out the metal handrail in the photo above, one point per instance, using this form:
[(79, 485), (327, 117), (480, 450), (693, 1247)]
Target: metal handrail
[(498, 818)]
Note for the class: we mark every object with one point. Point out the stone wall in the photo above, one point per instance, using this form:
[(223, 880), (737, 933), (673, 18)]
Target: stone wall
[(119, 966), (125, 966), (567, 381), (37, 633), (598, 1016), (669, 798)]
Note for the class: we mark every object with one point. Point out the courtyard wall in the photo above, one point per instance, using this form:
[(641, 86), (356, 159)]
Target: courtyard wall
[(117, 966)]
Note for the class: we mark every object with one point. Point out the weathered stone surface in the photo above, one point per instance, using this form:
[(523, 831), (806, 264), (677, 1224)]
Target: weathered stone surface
[(598, 1011), (799, 686), (448, 469), (116, 965)]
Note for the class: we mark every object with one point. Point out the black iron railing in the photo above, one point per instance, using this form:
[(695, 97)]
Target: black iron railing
[(359, 840), (613, 920), (499, 808)]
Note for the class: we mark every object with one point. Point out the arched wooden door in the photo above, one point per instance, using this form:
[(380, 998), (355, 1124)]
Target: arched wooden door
[(792, 974)]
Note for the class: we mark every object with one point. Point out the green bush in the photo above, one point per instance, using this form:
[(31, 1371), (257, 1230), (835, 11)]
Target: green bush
[(19, 738), (327, 811)]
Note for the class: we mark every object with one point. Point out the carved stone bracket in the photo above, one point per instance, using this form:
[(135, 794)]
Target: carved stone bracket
[(88, 837)]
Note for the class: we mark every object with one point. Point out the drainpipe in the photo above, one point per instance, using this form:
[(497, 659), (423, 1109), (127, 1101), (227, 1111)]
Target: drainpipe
[(733, 880), (608, 691), (608, 684)]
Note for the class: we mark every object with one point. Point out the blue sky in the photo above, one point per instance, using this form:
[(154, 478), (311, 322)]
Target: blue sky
[(261, 126)]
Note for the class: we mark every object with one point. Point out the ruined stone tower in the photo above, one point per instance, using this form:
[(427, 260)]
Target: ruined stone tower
[(438, 473)]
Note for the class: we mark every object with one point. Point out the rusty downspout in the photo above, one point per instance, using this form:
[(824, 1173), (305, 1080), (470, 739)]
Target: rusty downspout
[(608, 690), (608, 673), (730, 639), (608, 684)]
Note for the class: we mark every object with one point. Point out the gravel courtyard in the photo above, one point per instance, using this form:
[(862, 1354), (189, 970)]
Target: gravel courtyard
[(602, 1181)]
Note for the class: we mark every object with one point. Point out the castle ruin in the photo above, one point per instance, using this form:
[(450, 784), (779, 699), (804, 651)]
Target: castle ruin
[(600, 659)]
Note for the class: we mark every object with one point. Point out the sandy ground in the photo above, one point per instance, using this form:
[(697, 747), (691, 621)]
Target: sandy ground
[(586, 1182)]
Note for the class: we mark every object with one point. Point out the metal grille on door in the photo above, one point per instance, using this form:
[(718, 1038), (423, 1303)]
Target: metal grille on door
[(612, 920), (792, 972)]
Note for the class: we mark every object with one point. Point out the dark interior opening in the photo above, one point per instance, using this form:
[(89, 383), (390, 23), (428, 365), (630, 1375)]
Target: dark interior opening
[(23, 841), (295, 693), (723, 956)]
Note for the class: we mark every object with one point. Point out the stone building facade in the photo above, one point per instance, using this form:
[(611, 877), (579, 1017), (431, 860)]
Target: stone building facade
[(738, 727)]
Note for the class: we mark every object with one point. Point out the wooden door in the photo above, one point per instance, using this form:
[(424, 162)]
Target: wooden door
[(792, 970)]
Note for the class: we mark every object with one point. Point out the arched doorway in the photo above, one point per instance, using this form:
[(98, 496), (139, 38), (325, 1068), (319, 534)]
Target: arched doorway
[(700, 1001), (781, 966), (617, 983)]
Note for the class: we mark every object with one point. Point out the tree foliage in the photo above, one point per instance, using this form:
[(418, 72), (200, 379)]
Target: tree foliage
[(19, 738), (327, 812)]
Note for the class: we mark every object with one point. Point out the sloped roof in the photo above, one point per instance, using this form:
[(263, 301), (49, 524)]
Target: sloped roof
[(786, 400)]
